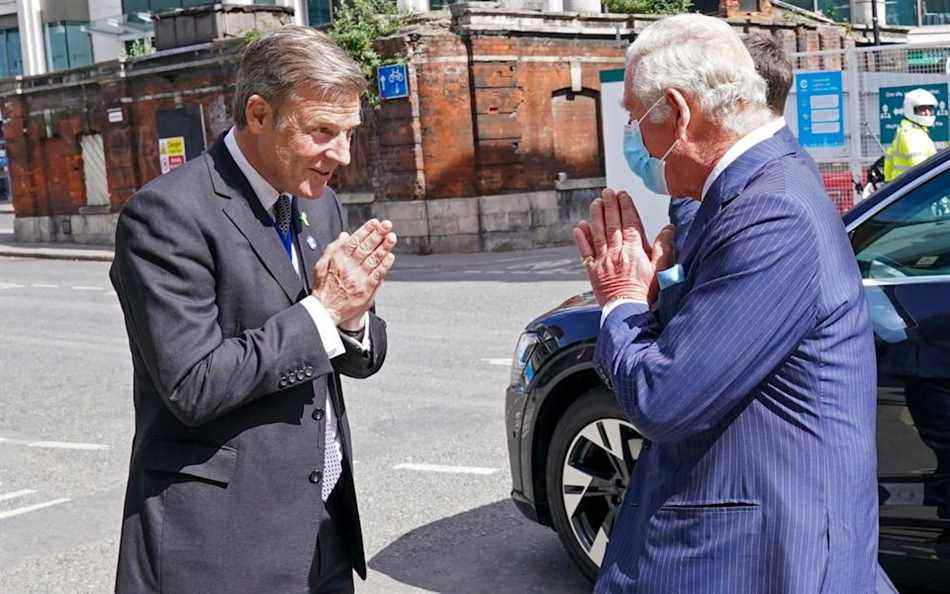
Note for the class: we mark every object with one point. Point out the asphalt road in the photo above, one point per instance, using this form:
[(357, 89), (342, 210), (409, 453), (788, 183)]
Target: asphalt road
[(66, 423)]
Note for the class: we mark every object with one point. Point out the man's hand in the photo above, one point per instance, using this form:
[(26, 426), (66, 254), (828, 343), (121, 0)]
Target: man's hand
[(351, 271), (663, 257), (619, 262)]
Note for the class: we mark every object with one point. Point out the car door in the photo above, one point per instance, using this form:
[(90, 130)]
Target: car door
[(903, 250)]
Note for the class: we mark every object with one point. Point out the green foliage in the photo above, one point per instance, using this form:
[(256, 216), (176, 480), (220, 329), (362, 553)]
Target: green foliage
[(251, 35), (648, 6), (140, 47), (357, 24)]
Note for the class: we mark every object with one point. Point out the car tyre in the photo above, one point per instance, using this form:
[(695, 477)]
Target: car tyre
[(592, 454)]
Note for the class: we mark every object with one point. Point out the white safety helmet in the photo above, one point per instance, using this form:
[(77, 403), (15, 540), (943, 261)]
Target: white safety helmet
[(919, 98)]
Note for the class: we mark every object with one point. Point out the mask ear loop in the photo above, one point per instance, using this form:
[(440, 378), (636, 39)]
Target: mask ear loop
[(689, 117)]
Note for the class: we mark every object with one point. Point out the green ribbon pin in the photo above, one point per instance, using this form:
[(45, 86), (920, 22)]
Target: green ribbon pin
[(303, 219)]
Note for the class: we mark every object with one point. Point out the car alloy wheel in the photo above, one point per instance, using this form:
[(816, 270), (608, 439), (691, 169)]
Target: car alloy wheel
[(593, 452), (595, 476)]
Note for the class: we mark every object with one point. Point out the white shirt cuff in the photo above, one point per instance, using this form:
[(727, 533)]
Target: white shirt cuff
[(364, 344), (613, 304), (329, 335)]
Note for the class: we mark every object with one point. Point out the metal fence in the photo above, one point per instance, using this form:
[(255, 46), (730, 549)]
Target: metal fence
[(847, 129)]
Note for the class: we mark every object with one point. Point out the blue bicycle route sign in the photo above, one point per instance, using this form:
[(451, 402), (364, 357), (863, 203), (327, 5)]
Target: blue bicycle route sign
[(393, 81)]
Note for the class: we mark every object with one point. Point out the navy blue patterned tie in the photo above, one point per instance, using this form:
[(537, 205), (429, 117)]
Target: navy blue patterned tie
[(283, 209)]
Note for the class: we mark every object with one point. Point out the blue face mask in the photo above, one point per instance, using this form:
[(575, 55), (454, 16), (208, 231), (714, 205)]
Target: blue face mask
[(645, 166)]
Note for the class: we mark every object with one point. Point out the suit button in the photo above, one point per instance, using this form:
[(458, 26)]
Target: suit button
[(316, 476), (308, 371), (317, 414)]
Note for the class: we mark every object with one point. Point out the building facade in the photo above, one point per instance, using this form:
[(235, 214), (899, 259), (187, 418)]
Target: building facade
[(498, 145)]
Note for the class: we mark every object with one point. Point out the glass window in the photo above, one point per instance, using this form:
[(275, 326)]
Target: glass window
[(160, 5), (131, 8), (911, 237), (838, 10), (14, 57), (58, 52), (69, 46), (900, 12), (806, 4), (318, 12), (936, 12), (79, 44)]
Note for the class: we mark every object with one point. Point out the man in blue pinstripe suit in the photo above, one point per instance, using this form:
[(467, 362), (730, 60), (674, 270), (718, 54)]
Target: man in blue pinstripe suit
[(752, 377)]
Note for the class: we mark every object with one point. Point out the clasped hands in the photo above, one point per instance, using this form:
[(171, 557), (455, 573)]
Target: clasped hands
[(620, 263), (351, 270)]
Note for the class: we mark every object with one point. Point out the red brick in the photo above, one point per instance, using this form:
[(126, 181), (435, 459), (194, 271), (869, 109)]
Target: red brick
[(499, 100), (494, 74), (397, 132), (498, 152), (495, 126)]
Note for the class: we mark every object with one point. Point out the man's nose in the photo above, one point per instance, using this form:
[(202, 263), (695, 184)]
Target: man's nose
[(340, 150)]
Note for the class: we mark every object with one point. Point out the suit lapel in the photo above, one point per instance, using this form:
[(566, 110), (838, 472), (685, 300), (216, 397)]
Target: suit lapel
[(250, 218), (312, 224)]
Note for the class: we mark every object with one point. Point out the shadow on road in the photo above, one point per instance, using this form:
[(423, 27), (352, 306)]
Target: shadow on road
[(488, 549)]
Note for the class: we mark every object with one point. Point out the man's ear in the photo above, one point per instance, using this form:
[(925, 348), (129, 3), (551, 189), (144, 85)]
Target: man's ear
[(684, 115), (258, 113)]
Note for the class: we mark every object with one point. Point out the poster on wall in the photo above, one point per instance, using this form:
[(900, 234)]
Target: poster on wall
[(820, 109), (891, 110), (180, 136), (171, 153)]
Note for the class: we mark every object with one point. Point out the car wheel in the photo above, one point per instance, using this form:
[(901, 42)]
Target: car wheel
[(592, 455)]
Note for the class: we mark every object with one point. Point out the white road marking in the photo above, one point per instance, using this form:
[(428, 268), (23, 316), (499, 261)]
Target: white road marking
[(56, 445), (16, 494), (446, 469), (41, 286), (31, 508), (10, 286), (506, 362), (82, 288)]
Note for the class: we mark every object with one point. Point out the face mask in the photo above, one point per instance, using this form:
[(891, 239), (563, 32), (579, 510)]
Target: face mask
[(645, 166), (927, 121)]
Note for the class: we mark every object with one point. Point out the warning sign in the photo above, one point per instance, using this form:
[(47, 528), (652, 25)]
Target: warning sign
[(171, 152)]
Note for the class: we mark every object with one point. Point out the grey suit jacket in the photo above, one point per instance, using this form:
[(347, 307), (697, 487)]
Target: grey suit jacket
[(230, 384)]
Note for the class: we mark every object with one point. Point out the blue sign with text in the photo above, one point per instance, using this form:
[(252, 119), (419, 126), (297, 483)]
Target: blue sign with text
[(393, 81), (820, 99)]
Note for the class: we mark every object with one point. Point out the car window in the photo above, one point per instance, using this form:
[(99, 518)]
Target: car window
[(910, 237)]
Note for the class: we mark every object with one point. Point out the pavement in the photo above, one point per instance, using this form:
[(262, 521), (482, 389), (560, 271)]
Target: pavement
[(549, 264), (10, 248), (431, 457)]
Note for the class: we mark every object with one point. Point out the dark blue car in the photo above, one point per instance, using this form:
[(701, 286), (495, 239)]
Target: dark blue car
[(572, 451)]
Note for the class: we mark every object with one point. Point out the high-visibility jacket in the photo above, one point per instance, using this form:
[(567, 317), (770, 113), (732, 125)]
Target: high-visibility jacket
[(911, 146)]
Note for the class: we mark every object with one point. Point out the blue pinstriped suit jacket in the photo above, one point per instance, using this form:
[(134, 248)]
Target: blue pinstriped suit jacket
[(753, 381)]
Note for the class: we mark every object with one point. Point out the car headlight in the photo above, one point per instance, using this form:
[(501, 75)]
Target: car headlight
[(521, 372)]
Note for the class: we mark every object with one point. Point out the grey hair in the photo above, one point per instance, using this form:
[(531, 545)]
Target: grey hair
[(703, 57), (277, 64)]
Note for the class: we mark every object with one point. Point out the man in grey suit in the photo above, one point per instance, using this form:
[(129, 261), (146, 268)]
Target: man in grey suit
[(244, 302)]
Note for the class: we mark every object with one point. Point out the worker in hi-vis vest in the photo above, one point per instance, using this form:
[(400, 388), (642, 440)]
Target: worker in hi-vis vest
[(912, 143)]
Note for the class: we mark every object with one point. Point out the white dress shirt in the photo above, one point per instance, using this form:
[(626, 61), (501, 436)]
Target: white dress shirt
[(329, 335), (735, 151)]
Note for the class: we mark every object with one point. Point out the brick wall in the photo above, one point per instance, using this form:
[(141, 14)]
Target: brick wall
[(490, 114)]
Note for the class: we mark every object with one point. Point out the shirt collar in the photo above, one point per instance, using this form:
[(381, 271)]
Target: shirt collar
[(265, 192), (741, 146)]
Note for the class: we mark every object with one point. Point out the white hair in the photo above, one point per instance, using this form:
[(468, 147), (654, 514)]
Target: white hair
[(703, 57)]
